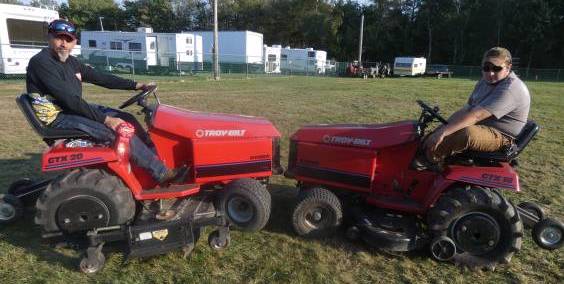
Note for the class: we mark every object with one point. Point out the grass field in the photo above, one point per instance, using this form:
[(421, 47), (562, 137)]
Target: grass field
[(276, 254)]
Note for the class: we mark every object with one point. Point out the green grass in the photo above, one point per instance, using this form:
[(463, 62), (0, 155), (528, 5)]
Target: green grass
[(276, 254)]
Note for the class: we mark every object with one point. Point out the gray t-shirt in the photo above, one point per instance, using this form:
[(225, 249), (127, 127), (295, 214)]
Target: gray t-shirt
[(508, 101)]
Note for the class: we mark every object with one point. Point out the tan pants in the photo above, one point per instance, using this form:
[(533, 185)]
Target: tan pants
[(472, 138)]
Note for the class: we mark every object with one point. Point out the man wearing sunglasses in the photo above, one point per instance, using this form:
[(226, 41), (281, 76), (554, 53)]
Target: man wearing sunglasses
[(54, 80), (494, 115)]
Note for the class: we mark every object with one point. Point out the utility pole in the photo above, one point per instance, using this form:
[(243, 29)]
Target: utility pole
[(215, 43), (360, 42), (101, 25)]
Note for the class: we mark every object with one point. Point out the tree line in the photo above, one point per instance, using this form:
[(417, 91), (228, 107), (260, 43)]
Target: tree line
[(444, 31)]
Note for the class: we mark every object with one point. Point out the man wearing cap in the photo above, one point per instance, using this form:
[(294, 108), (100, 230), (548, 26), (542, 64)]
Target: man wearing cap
[(54, 80), (494, 115)]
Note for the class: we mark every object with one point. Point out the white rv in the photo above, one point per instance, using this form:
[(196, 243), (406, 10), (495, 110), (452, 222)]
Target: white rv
[(23, 33), (142, 49), (244, 47), (272, 56), (305, 60), (409, 66)]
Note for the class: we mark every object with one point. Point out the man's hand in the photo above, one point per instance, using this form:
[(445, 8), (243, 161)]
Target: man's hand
[(113, 122), (433, 141), (144, 86)]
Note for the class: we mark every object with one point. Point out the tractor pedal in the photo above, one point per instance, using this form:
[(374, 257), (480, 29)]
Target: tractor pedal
[(165, 215)]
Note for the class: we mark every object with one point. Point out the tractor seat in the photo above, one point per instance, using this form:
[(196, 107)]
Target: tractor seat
[(507, 154), (49, 134)]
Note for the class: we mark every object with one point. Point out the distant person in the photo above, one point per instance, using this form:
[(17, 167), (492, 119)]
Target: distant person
[(494, 115), (54, 80)]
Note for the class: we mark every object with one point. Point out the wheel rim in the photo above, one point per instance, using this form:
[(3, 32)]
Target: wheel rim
[(82, 212), (240, 210), (443, 249), (317, 218), (550, 236), (7, 211), (476, 233)]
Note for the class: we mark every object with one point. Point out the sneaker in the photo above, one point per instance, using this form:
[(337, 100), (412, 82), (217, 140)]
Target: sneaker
[(173, 176)]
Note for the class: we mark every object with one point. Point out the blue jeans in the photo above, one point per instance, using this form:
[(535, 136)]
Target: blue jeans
[(139, 152)]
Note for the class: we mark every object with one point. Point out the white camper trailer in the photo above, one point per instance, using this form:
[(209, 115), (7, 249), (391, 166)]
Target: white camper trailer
[(409, 66), (305, 60), (23, 33), (244, 47), (142, 49), (272, 56)]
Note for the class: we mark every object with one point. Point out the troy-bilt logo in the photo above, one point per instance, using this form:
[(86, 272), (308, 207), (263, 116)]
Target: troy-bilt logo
[(345, 140), (220, 133)]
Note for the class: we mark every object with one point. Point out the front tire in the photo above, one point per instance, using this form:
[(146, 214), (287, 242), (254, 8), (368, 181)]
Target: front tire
[(247, 204), (485, 226), (83, 200), (317, 214), (11, 208)]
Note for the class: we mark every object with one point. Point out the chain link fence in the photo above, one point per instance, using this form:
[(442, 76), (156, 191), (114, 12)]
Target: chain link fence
[(132, 63)]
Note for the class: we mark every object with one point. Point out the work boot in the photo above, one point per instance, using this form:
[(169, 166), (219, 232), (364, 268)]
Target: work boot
[(173, 176), (421, 163)]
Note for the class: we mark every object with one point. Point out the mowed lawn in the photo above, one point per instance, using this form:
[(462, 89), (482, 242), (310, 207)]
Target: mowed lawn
[(276, 254)]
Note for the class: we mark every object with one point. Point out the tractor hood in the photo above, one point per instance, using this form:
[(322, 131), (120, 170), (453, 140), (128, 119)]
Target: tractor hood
[(200, 125), (372, 136)]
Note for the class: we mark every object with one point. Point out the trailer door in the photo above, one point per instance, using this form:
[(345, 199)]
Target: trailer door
[(151, 50)]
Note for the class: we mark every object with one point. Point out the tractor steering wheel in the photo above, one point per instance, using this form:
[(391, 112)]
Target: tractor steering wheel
[(136, 98), (432, 111)]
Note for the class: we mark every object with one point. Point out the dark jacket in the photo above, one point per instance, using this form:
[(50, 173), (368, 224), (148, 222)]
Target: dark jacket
[(47, 75)]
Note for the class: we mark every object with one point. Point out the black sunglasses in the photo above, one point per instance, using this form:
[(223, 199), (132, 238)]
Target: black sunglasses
[(62, 26), (489, 67)]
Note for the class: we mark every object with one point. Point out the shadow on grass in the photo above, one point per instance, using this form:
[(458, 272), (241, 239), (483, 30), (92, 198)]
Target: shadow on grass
[(283, 201)]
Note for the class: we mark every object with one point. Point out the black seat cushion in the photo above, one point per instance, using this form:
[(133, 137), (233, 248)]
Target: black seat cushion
[(46, 132), (507, 154)]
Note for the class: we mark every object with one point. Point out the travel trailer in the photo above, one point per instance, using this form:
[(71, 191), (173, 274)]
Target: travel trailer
[(272, 56), (143, 49), (306, 60), (409, 66), (23, 33), (243, 47)]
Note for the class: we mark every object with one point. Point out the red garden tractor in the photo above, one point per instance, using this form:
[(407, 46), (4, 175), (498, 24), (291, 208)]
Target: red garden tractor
[(362, 176), (102, 196)]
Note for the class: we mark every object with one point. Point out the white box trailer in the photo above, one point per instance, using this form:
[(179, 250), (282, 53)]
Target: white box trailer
[(234, 46), (141, 49), (23, 33), (272, 55), (409, 66), (305, 60)]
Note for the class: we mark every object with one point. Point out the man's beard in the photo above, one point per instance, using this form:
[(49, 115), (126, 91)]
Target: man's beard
[(62, 54)]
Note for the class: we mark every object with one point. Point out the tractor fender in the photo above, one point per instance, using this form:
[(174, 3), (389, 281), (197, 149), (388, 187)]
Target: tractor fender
[(503, 177), (62, 158)]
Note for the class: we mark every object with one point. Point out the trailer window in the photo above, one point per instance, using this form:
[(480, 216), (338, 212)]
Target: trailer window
[(116, 45), (188, 40), (91, 43), (398, 64), (189, 52), (284, 56), (24, 33), (311, 54), (271, 58), (134, 46)]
